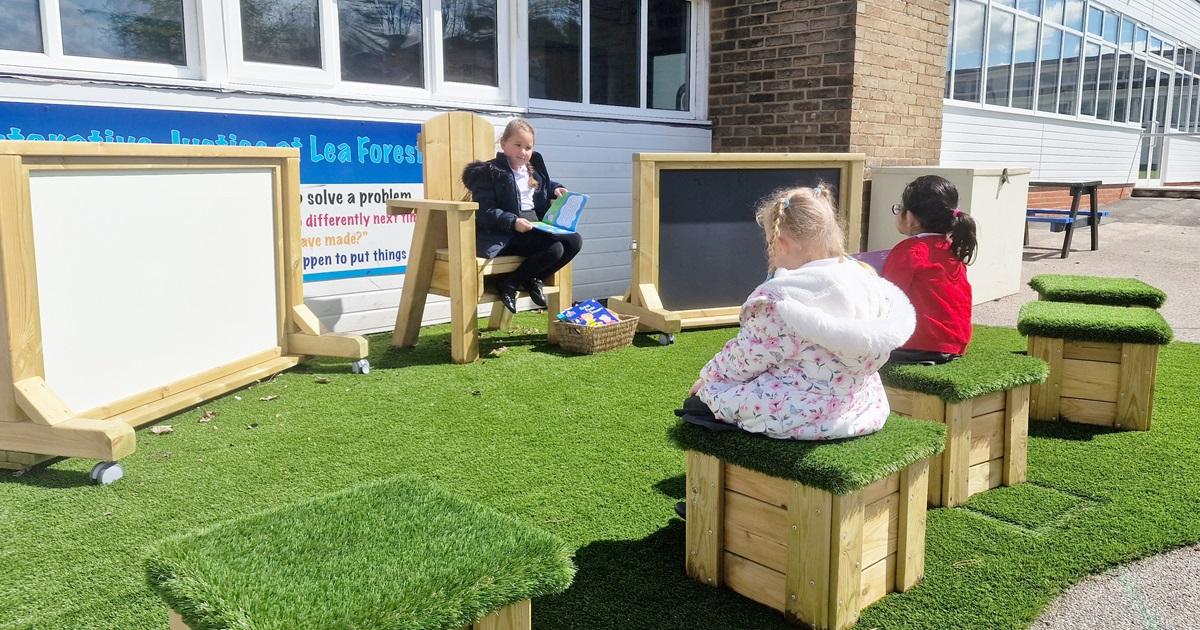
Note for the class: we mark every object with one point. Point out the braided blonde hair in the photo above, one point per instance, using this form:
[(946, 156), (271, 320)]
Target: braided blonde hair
[(807, 215)]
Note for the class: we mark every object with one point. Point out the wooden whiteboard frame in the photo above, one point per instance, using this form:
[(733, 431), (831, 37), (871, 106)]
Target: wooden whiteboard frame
[(33, 419), (643, 299)]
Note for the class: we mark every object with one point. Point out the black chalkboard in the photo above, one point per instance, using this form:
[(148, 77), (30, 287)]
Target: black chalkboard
[(711, 251)]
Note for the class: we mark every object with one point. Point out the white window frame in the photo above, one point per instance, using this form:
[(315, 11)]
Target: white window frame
[(697, 71), (53, 59), (327, 81)]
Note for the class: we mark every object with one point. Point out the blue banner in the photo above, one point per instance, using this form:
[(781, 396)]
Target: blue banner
[(332, 151)]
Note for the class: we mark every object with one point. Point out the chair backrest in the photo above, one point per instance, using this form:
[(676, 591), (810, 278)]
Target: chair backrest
[(448, 143)]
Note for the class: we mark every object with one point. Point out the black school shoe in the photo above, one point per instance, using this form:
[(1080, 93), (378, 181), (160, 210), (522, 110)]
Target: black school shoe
[(508, 295), (534, 287)]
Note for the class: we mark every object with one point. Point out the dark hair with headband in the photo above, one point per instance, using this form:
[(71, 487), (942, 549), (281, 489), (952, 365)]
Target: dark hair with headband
[(933, 201)]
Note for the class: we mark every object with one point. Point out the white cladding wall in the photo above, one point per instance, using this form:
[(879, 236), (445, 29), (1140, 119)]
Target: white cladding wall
[(1055, 149), (1181, 160), (589, 156)]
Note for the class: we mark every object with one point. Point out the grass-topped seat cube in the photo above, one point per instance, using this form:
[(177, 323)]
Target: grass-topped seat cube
[(1102, 360), (1096, 290), (983, 399), (397, 554), (817, 530)]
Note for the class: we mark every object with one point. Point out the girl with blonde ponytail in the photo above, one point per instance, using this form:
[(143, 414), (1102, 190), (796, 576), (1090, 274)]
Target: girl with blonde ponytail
[(813, 337)]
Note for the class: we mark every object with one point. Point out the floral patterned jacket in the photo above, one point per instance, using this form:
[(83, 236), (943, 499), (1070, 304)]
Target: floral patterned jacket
[(805, 364)]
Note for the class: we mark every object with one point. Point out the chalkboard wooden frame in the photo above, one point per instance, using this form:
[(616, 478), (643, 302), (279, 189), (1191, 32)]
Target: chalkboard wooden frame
[(34, 418), (643, 298)]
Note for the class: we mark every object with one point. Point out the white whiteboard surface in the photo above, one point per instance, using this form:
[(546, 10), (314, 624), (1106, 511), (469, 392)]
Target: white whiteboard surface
[(146, 278)]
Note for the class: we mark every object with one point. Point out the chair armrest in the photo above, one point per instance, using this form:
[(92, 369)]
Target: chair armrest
[(408, 206)]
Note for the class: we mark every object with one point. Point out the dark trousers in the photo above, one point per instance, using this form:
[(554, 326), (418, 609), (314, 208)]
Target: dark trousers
[(544, 254), (921, 357)]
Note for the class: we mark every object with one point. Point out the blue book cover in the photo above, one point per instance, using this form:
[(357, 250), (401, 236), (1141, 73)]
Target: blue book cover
[(563, 215)]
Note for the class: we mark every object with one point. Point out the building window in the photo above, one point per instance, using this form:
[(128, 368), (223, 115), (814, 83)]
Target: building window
[(1104, 94), (1091, 77), (1068, 95), (1048, 79), (286, 32), (611, 53), (1000, 57), (382, 42), (968, 50), (469, 42), (1025, 66), (152, 37)]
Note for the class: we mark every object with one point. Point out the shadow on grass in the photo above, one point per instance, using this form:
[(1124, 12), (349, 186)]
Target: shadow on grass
[(44, 475), (674, 487), (1073, 431), (624, 584)]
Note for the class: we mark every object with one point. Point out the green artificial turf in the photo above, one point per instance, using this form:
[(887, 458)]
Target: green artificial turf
[(578, 446), (981, 370), (1093, 322), (398, 554), (1096, 290), (838, 466)]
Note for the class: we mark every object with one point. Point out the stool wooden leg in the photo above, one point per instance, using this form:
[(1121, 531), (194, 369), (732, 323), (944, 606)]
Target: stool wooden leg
[(464, 288), (956, 462), (910, 539), (704, 527), (1016, 435), (845, 559), (416, 281)]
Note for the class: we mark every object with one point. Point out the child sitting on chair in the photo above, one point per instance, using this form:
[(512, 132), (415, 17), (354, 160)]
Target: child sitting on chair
[(930, 266), (514, 191), (804, 364)]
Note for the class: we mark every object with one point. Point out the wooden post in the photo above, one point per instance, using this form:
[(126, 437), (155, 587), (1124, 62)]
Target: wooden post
[(807, 588), (845, 559), (910, 537), (1016, 435), (956, 461), (1044, 397), (1135, 395), (417, 278), (464, 288), (518, 616), (705, 534), (930, 407)]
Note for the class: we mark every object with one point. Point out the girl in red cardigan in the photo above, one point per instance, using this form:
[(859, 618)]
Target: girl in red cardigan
[(930, 267)]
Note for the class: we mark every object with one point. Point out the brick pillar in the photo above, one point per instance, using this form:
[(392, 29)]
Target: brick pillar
[(829, 75)]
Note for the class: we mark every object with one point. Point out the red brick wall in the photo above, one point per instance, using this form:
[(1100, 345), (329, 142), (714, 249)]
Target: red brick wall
[(780, 74), (1061, 197)]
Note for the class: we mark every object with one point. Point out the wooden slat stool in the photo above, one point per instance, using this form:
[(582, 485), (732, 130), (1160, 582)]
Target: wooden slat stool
[(442, 258), (983, 399), (816, 530), (1103, 362), (397, 554)]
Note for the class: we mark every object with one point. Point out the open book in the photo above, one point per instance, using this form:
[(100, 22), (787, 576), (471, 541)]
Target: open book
[(563, 215)]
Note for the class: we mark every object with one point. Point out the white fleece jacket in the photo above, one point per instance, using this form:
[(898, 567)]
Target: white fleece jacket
[(805, 364)]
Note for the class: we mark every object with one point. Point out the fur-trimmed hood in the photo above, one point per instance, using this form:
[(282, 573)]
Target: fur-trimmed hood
[(841, 305)]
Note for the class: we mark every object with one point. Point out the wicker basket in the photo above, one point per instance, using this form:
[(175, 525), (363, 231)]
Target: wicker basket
[(592, 339)]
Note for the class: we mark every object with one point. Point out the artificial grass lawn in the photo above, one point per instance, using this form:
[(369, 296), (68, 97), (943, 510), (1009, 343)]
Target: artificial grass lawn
[(1097, 290), (578, 446), (1093, 322), (396, 554), (980, 371), (837, 466)]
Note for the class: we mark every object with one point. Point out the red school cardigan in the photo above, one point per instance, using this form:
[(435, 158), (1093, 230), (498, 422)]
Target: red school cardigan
[(935, 281)]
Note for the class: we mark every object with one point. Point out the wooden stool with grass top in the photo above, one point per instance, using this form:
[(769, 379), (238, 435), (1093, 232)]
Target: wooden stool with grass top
[(1103, 361), (1096, 290), (397, 554), (817, 530), (983, 399)]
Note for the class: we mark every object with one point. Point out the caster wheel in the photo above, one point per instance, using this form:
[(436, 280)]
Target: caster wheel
[(361, 366), (106, 473), (666, 339)]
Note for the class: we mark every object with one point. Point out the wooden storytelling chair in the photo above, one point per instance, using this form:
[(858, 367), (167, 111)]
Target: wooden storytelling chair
[(442, 258)]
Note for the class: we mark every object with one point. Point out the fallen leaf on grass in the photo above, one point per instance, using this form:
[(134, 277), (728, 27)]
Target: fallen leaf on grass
[(969, 562), (237, 397), (498, 351), (207, 416), (321, 380), (162, 428), (252, 425), (269, 398)]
